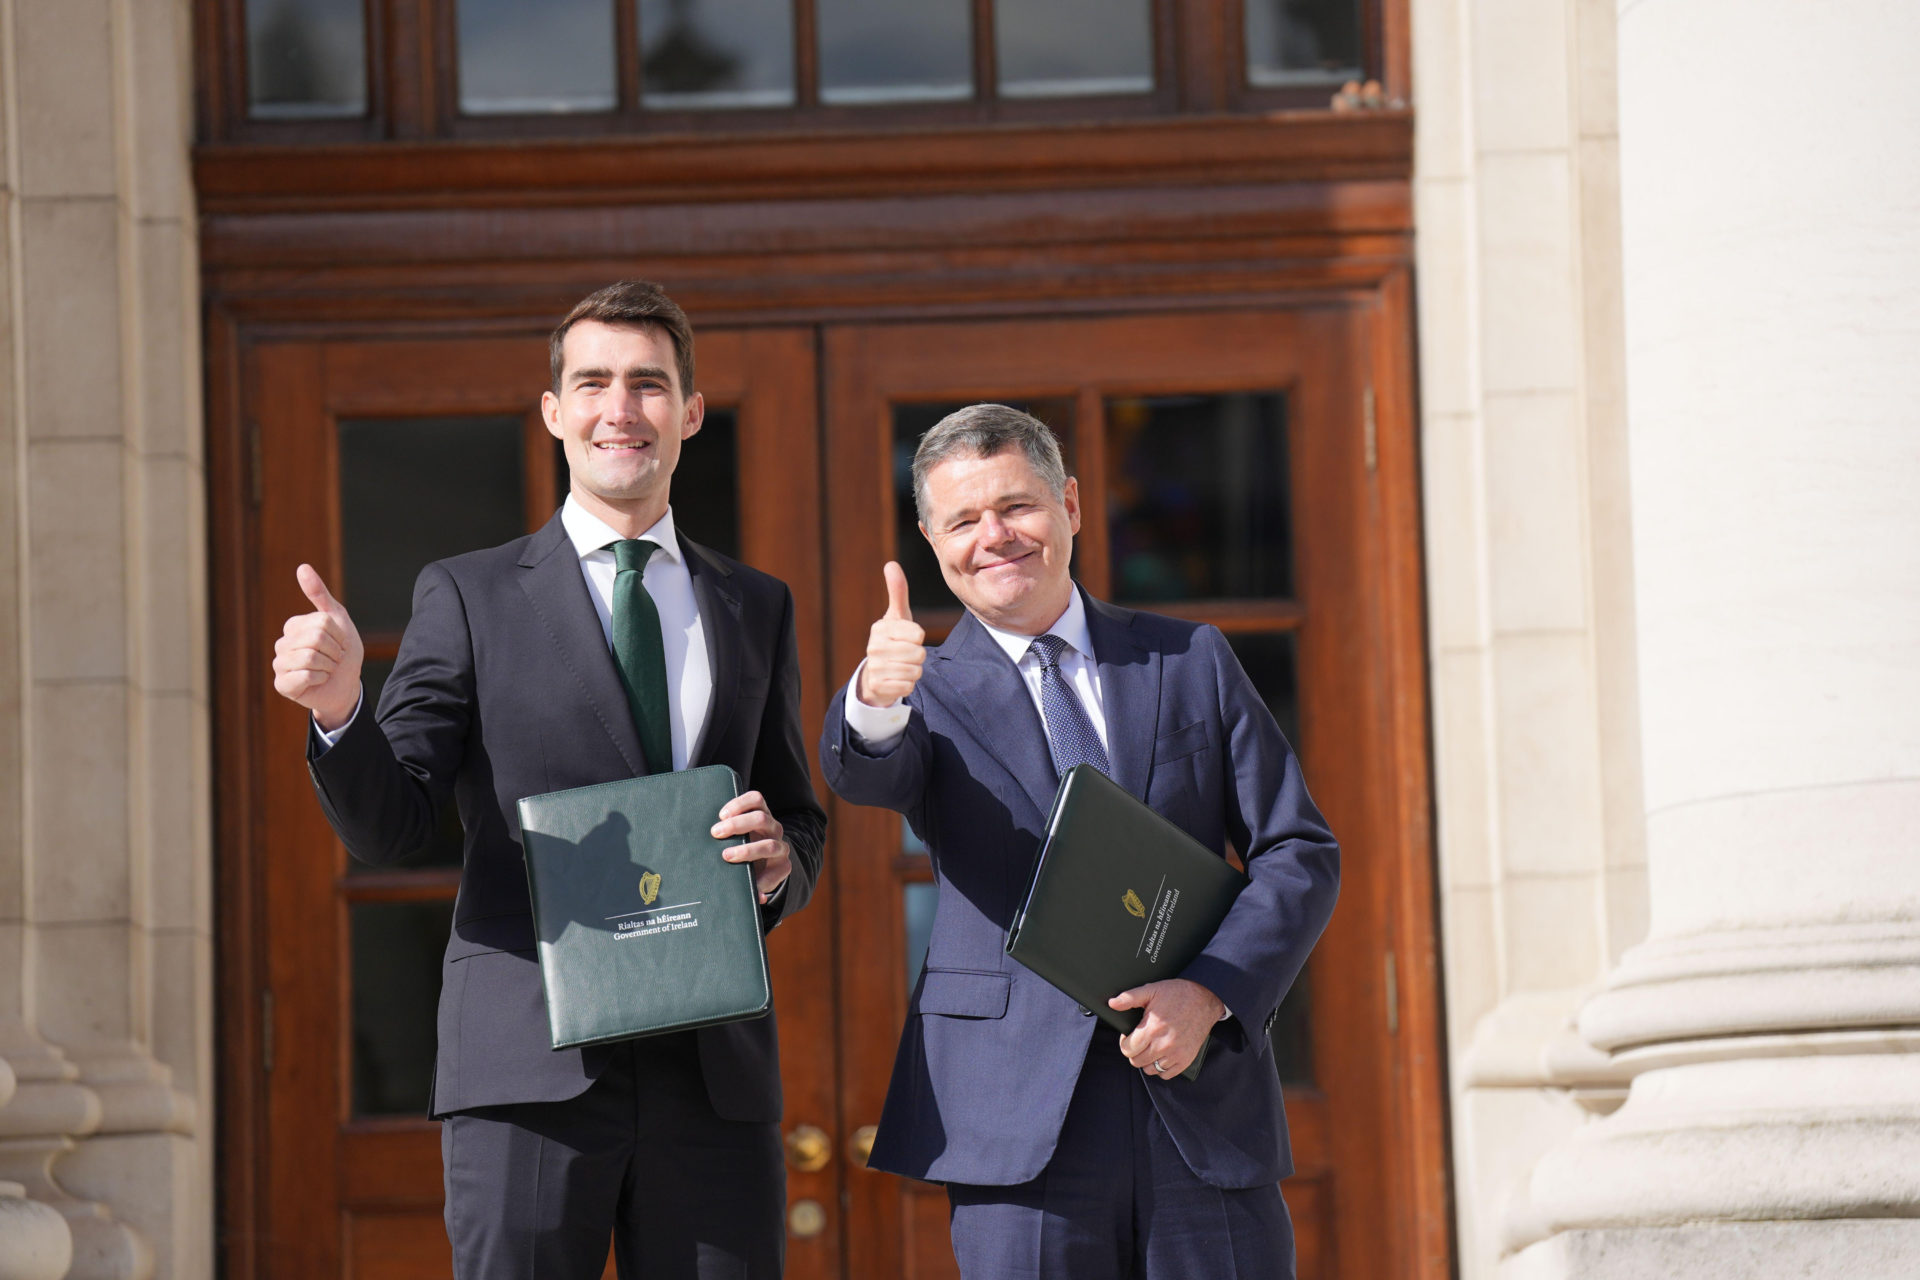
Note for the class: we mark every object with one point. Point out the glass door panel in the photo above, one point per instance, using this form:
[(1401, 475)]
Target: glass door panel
[(1222, 480)]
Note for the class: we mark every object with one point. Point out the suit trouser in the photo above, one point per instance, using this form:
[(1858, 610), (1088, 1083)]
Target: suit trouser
[(536, 1189), (1116, 1201)]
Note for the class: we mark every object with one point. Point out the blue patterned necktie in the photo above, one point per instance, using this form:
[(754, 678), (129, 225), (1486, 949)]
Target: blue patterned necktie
[(1070, 735)]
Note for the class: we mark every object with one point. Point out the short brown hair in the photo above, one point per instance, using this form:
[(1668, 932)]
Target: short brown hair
[(636, 303)]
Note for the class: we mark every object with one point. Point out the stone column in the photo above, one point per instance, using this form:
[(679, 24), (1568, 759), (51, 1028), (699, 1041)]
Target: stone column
[(1771, 1020), (105, 973)]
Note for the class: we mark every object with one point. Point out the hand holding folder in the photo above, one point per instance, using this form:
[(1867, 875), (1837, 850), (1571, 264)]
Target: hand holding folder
[(643, 927), (1120, 897)]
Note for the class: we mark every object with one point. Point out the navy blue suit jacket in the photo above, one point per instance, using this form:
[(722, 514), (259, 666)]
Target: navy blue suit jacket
[(990, 1053), (505, 687)]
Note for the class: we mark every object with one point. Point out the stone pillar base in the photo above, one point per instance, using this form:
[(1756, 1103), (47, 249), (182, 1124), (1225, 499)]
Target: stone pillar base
[(35, 1242), (1853, 1249)]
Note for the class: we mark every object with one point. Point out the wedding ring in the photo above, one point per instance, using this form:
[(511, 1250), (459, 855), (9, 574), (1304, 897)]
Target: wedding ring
[(1157, 1068)]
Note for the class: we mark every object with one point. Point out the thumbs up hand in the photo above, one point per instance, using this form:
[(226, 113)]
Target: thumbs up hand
[(316, 660), (896, 648)]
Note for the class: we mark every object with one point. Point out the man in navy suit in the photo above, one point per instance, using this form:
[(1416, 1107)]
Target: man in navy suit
[(1068, 1151), (518, 675)]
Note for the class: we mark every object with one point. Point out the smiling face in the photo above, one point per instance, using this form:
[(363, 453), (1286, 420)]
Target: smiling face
[(621, 415), (1003, 538)]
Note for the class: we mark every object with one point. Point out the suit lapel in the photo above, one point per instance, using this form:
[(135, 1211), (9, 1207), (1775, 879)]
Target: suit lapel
[(717, 596), (987, 684), (1130, 688), (550, 576)]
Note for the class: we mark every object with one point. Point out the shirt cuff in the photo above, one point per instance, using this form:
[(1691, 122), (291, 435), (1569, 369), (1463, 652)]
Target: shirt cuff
[(877, 729), (328, 739)]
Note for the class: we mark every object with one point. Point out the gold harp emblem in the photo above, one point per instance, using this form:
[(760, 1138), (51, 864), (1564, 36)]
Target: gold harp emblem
[(649, 887), (1135, 907)]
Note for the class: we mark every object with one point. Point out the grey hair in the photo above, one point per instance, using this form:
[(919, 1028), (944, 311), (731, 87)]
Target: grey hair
[(980, 431)]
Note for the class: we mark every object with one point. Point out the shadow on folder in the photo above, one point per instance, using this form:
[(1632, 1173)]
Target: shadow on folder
[(608, 884)]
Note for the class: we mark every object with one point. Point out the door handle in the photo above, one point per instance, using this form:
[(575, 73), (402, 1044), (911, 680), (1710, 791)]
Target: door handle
[(860, 1145), (809, 1149)]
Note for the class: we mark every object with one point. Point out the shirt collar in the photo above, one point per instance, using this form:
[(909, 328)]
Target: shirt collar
[(1070, 626), (589, 533)]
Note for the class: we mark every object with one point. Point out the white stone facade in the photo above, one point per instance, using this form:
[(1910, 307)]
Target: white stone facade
[(105, 843), (1709, 742)]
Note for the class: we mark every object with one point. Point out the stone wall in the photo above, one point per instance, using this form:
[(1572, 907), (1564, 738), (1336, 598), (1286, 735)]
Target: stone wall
[(1673, 556), (105, 839), (1529, 566)]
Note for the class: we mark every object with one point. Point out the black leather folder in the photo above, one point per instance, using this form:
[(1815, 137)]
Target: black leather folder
[(1120, 897), (642, 926)]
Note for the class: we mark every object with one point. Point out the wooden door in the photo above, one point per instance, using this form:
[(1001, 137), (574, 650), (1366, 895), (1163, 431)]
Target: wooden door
[(1227, 473), (369, 460)]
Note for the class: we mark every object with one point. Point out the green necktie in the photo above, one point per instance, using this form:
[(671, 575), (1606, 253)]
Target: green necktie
[(640, 653)]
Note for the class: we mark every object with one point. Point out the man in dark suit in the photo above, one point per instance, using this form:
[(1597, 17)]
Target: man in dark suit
[(604, 646), (1069, 1152)]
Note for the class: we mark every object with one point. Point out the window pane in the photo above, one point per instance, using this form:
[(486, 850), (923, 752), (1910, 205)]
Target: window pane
[(716, 53), (918, 901), (889, 51), (1270, 662), (444, 846), (415, 490), (706, 485), (925, 587), (1048, 48), (306, 59), (396, 991), (1295, 42), (1197, 497), (518, 57), (1292, 1037)]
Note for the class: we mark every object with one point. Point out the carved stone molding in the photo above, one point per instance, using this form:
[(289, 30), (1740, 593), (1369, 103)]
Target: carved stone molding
[(1749, 981), (1746, 1140), (35, 1241)]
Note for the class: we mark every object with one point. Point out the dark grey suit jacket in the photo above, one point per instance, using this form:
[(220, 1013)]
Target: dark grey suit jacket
[(504, 687)]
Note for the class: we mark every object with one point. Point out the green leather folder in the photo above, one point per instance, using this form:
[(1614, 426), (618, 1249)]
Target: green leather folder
[(1120, 897), (642, 926)]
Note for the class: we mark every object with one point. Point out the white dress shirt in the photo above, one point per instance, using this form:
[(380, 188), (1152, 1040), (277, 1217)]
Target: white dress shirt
[(689, 674), (879, 728)]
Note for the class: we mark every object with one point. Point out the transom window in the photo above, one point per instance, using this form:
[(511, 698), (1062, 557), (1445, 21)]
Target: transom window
[(595, 65)]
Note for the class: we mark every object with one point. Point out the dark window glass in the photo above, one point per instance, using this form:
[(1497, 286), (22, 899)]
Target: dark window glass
[(415, 490), (1292, 1036), (396, 990), (716, 53), (1302, 42), (1270, 662), (917, 903), (875, 51), (925, 587), (1197, 503), (1062, 48), (443, 847), (306, 59), (518, 58), (706, 483)]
